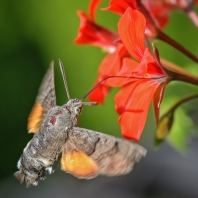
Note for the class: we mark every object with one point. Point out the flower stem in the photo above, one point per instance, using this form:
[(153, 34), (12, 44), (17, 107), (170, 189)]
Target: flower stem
[(180, 74), (173, 67), (166, 121), (162, 36), (182, 77), (183, 100)]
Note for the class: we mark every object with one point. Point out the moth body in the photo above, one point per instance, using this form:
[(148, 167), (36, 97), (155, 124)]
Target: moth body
[(46, 145)]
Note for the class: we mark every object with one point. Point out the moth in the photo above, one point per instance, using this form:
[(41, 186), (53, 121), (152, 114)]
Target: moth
[(82, 152)]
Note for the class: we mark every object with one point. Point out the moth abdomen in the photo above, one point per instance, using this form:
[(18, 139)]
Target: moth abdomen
[(20, 176), (30, 169), (39, 156)]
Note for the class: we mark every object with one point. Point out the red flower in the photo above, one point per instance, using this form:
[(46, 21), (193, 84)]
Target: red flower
[(155, 12), (161, 10), (120, 6), (92, 8), (92, 34), (158, 11), (147, 79), (133, 101)]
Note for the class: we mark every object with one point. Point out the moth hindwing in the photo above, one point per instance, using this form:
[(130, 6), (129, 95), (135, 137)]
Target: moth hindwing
[(85, 153)]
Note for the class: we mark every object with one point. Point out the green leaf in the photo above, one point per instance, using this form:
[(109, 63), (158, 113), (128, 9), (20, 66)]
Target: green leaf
[(181, 130)]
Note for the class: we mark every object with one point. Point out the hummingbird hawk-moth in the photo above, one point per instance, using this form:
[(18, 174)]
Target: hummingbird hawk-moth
[(84, 153)]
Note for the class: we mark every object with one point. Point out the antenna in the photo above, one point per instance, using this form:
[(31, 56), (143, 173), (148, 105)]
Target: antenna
[(64, 78)]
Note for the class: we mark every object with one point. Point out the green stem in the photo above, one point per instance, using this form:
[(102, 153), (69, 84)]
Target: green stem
[(193, 96)]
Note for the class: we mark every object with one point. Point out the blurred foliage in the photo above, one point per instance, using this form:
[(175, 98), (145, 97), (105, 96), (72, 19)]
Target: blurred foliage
[(35, 32), (181, 130)]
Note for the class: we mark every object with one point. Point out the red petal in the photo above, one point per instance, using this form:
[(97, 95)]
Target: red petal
[(119, 6), (92, 8), (127, 67), (133, 102), (111, 64), (157, 99), (99, 94), (131, 28), (93, 34), (149, 66), (162, 15), (159, 11), (142, 68)]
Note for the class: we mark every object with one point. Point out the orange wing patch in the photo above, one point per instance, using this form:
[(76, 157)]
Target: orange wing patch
[(35, 118), (79, 164)]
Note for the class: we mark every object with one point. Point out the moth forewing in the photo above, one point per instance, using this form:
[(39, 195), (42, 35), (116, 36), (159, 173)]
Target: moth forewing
[(45, 100)]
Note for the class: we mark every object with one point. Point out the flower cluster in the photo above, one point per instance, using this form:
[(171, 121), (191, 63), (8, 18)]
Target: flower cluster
[(130, 61)]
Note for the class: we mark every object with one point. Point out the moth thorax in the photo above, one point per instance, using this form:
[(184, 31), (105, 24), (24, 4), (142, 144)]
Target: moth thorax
[(55, 117)]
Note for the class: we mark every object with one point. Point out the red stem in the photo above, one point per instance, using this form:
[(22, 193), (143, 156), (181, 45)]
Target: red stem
[(162, 36)]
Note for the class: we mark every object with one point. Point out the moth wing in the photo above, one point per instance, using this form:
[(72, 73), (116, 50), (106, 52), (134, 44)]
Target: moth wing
[(78, 164), (45, 100), (104, 154)]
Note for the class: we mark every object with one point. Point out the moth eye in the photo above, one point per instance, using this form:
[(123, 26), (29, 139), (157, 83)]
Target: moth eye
[(79, 110)]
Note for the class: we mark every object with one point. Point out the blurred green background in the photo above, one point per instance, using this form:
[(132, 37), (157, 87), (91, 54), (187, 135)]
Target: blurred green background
[(35, 32)]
